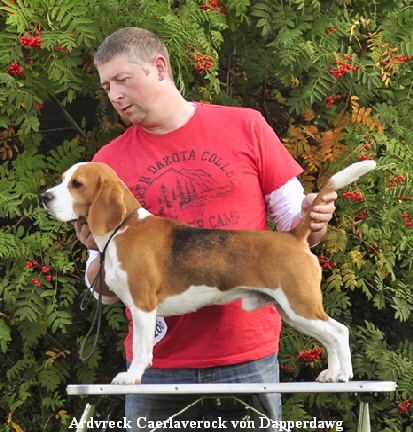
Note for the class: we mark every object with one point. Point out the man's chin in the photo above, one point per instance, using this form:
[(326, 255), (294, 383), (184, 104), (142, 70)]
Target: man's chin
[(130, 117)]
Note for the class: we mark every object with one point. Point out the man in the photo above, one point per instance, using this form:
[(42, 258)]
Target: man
[(212, 167)]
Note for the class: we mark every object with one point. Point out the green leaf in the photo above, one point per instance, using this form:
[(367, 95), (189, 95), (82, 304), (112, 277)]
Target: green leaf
[(5, 336)]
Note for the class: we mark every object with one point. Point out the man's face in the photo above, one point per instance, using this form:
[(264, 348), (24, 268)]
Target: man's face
[(132, 90)]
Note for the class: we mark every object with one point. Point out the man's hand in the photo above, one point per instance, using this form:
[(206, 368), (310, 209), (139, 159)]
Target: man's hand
[(83, 233), (85, 236), (321, 214)]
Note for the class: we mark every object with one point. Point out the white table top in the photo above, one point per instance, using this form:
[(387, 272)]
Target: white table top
[(214, 389)]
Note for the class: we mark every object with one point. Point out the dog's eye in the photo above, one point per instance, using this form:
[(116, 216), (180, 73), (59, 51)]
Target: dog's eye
[(76, 184)]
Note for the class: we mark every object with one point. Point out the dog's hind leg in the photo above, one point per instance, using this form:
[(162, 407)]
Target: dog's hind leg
[(334, 337)]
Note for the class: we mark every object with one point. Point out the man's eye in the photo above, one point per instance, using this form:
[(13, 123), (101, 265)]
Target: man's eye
[(76, 184)]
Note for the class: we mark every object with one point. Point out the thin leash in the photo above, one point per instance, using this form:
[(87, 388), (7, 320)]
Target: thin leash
[(89, 293)]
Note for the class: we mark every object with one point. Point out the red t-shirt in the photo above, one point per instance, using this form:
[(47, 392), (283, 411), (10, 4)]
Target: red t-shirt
[(212, 173)]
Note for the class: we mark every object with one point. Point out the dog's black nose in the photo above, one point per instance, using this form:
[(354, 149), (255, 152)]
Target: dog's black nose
[(46, 198)]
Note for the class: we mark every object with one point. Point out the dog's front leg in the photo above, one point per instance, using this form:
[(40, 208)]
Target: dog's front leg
[(144, 324)]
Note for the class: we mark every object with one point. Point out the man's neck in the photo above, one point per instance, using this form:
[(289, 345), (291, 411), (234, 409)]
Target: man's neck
[(175, 117)]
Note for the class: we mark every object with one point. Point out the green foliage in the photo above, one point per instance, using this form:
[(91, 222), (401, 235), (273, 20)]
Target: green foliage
[(281, 57)]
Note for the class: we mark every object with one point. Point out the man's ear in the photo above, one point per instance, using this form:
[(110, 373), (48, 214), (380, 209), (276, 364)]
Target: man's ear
[(162, 67)]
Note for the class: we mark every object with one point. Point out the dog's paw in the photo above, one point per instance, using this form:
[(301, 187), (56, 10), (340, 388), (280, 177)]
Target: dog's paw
[(124, 378), (334, 376)]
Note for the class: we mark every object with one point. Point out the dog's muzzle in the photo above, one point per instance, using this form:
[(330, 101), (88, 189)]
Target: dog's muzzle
[(50, 202), (47, 197)]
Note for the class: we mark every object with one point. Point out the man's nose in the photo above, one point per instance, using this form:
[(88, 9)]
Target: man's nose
[(115, 93)]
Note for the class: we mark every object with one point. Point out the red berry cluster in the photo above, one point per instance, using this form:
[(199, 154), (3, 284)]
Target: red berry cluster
[(403, 408), (310, 356), (363, 157), (332, 29), (345, 68), (285, 369), (44, 270), (33, 42), (394, 181), (325, 263), (367, 155), (373, 249), (331, 100), (354, 196), (213, 4), (59, 48), (362, 215), (408, 220), (36, 282), (39, 106), (203, 63), (400, 58), (15, 69)]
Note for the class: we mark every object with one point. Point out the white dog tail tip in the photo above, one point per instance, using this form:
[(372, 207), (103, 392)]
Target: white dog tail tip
[(350, 174), (337, 181)]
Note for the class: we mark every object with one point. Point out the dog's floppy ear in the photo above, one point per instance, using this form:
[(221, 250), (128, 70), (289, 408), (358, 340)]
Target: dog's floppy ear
[(108, 209)]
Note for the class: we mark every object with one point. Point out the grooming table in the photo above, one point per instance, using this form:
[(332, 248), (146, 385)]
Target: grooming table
[(364, 389)]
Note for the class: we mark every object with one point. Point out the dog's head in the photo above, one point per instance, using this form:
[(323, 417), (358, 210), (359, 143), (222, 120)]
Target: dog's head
[(91, 190)]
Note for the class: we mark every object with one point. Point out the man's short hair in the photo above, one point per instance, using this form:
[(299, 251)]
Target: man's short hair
[(140, 45)]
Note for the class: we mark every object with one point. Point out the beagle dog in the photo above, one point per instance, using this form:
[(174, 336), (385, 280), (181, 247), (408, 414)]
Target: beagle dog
[(158, 266)]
